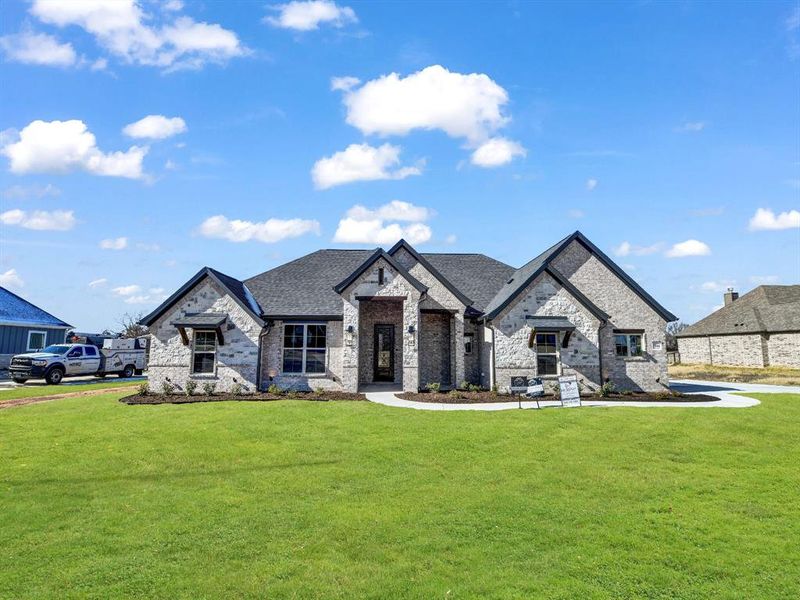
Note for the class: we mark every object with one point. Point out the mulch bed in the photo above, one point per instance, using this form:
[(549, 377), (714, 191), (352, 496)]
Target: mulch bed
[(488, 397), (258, 397)]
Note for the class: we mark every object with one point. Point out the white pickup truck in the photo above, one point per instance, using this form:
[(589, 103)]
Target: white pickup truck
[(123, 357)]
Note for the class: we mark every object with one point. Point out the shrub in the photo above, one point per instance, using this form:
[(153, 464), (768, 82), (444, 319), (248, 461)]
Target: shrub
[(168, 387), (274, 389), (464, 385), (455, 394), (434, 387), (556, 390), (237, 389), (144, 388), (606, 389), (474, 388), (190, 387), (319, 390), (209, 388)]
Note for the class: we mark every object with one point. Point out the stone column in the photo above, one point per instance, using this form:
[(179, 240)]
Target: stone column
[(350, 345), (411, 343), (458, 348)]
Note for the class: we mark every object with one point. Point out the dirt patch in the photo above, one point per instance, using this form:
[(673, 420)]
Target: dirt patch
[(489, 397), (768, 375), (259, 397), (35, 400)]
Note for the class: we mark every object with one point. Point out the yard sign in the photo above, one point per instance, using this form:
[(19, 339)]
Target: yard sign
[(570, 393)]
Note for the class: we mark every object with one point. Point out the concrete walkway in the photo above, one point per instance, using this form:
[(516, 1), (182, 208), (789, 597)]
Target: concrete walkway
[(722, 390)]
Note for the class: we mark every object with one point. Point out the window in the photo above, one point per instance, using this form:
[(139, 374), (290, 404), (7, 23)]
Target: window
[(75, 353), (91, 351), (546, 354), (204, 352), (304, 348), (628, 344), (381, 276), (468, 340), (37, 340)]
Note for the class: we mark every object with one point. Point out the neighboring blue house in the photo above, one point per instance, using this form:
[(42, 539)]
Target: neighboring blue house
[(24, 327)]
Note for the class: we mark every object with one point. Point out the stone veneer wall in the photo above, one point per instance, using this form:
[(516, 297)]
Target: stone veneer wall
[(545, 297), (272, 360), (394, 286), (473, 362), (374, 312), (237, 358), (626, 310), (746, 350), (435, 341)]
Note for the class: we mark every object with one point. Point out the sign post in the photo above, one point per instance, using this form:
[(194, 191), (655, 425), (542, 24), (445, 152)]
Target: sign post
[(570, 392)]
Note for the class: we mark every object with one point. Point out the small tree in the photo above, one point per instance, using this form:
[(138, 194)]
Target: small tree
[(130, 326), (674, 329)]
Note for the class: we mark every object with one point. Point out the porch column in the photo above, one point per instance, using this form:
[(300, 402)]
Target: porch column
[(458, 348), (411, 343), (350, 314)]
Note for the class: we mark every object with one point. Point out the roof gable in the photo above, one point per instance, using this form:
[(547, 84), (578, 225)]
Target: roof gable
[(378, 254), (525, 275), (765, 309), (237, 290), (402, 244), (15, 309)]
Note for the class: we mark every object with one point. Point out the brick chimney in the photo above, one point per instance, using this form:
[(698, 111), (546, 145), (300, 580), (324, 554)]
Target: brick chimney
[(730, 296)]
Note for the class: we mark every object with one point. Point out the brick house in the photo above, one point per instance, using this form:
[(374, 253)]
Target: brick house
[(760, 329), (345, 319)]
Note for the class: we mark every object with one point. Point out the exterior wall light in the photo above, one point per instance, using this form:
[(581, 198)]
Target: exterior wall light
[(411, 329), (349, 335)]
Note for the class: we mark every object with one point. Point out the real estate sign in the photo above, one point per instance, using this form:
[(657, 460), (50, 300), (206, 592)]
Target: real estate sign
[(570, 393), (519, 384)]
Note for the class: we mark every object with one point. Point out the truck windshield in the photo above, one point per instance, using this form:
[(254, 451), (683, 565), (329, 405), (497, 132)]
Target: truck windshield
[(56, 349)]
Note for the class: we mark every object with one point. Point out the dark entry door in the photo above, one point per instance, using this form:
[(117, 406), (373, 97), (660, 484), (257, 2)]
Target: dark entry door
[(384, 353)]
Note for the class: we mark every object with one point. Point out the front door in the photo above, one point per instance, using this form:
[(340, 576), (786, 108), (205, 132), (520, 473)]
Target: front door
[(384, 353)]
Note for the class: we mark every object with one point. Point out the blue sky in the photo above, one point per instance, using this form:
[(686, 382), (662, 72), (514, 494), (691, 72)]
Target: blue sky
[(669, 133)]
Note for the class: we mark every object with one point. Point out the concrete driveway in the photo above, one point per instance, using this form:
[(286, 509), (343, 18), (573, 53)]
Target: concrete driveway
[(724, 391)]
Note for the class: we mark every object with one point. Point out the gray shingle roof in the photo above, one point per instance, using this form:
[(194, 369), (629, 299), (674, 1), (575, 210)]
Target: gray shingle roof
[(766, 309), (304, 287), (477, 276)]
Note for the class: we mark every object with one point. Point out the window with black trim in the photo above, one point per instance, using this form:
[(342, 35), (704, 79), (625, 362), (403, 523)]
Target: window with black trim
[(469, 339), (546, 354), (628, 344), (204, 351), (304, 348)]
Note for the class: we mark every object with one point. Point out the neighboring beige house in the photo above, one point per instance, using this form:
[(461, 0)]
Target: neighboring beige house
[(346, 319), (760, 329)]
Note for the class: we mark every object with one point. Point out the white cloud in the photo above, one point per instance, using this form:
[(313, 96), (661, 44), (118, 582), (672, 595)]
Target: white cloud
[(793, 20), (119, 243), (65, 146), (124, 29), (628, 249), (691, 127), (497, 151), (268, 232), (96, 283), (11, 279), (717, 286), (764, 279), (688, 248), (373, 231), (369, 226), (308, 15), (575, 213), (155, 127), (344, 83), (451, 239), (463, 106), (127, 290), (170, 165), (42, 220), (101, 64), (173, 5), (766, 220), (396, 210), (360, 162), (591, 184), (21, 192), (37, 49)]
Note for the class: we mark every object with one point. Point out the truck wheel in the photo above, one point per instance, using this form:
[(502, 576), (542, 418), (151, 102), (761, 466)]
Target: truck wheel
[(128, 371), (54, 376), (19, 380)]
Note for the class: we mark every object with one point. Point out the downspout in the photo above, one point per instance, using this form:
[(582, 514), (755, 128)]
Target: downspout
[(264, 331), (600, 350)]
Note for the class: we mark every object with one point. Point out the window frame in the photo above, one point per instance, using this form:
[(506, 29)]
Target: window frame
[(33, 332), (469, 343), (556, 353), (213, 333), (304, 349), (628, 336)]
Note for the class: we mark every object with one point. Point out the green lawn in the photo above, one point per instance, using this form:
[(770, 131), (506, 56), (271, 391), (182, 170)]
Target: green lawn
[(35, 391), (352, 499)]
